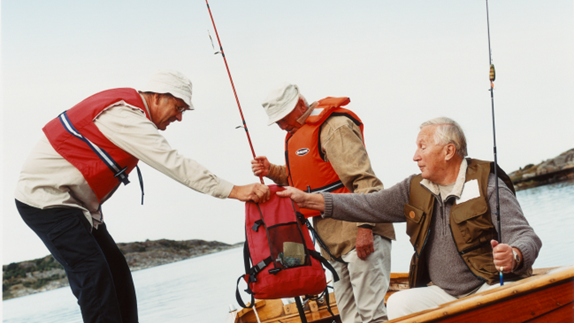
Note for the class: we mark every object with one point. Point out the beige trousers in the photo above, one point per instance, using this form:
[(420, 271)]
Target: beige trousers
[(361, 290)]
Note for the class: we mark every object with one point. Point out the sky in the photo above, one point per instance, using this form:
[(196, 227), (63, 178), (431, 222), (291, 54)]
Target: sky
[(400, 62)]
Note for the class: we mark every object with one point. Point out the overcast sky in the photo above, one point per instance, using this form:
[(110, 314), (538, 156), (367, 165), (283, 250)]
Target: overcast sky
[(400, 62)]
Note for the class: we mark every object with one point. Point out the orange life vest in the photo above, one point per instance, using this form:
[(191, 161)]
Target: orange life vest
[(74, 135), (306, 168)]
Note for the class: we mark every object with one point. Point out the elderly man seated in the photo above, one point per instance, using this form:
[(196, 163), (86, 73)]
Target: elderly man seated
[(450, 213)]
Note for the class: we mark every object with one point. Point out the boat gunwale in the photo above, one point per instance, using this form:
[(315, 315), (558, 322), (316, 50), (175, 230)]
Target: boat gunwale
[(544, 278)]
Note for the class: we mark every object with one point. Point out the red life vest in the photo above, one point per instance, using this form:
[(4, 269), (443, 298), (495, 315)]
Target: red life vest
[(306, 168), (74, 135)]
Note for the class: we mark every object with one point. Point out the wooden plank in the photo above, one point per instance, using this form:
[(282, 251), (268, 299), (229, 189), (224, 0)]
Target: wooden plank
[(266, 309), (564, 314), (550, 290), (520, 308)]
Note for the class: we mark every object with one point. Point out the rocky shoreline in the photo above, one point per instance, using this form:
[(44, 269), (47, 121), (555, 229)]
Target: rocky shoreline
[(43, 274), (553, 170)]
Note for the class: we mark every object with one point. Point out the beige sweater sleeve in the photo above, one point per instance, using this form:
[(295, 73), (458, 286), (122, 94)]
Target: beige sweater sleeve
[(129, 129)]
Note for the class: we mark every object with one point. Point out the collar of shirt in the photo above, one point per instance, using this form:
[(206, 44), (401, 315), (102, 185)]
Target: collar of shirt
[(458, 184)]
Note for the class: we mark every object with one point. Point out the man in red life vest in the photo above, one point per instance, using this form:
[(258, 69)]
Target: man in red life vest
[(324, 152), (86, 153)]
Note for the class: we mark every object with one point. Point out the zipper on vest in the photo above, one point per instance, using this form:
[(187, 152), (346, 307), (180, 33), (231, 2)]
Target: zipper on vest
[(424, 244)]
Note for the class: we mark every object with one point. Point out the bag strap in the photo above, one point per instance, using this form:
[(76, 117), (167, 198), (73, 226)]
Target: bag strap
[(301, 310), (328, 302), (238, 297), (325, 263), (252, 271), (318, 238), (246, 256)]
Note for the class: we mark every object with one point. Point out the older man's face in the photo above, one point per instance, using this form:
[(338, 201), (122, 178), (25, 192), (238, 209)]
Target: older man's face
[(429, 156), (289, 123), (167, 109)]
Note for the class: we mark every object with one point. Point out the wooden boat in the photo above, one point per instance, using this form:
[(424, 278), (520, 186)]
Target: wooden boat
[(548, 296)]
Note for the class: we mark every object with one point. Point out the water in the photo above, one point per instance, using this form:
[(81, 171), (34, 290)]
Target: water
[(201, 289)]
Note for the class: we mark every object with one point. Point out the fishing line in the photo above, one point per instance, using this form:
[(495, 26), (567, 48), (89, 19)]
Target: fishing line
[(232, 85), (492, 76)]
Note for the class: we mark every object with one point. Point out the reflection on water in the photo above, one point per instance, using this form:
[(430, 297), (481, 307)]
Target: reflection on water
[(201, 289)]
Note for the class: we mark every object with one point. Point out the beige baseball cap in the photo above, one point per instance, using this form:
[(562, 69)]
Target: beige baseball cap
[(280, 102), (172, 82)]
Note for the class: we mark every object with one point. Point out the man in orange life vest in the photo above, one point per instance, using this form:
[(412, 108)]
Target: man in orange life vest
[(324, 152), (84, 155)]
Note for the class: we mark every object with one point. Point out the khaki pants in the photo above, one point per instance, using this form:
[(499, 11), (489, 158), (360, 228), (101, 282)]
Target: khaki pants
[(361, 290)]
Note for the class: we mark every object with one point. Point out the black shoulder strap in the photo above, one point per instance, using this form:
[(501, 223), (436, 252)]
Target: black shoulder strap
[(318, 238), (325, 263), (238, 297), (328, 302)]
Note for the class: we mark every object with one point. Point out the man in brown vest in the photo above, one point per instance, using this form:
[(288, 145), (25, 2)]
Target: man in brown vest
[(449, 210)]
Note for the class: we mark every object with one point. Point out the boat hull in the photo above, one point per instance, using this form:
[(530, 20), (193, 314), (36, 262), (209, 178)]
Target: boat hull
[(548, 296)]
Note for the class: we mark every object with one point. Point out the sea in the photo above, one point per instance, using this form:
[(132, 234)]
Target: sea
[(202, 289)]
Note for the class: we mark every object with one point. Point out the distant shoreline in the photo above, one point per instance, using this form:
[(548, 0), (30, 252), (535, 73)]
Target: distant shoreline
[(553, 170), (44, 274)]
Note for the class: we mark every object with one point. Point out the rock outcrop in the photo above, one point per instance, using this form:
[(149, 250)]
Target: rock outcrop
[(43, 274), (559, 168)]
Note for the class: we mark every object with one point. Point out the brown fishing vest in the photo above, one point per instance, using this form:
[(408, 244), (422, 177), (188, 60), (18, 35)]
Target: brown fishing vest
[(470, 224)]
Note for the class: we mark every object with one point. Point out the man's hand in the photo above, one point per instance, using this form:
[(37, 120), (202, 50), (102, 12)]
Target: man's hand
[(257, 193), (364, 244), (260, 166), (305, 200), (503, 258)]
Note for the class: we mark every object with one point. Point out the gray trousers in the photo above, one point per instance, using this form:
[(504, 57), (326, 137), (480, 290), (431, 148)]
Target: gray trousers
[(363, 284)]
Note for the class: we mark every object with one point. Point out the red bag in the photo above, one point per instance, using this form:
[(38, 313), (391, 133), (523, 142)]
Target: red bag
[(279, 255)]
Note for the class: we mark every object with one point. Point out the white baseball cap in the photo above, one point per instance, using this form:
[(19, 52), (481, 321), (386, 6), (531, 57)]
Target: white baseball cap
[(280, 102), (172, 82)]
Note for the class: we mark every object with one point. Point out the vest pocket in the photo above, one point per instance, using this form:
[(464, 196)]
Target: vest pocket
[(472, 220), (481, 263), (413, 217)]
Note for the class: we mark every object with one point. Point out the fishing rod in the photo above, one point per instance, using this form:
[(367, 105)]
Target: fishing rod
[(232, 85), (492, 77)]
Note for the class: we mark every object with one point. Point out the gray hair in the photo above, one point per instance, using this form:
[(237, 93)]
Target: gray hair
[(447, 132)]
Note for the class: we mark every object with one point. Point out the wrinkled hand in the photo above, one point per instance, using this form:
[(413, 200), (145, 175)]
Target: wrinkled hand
[(260, 166), (257, 193), (502, 254), (294, 194), (364, 244), (305, 200)]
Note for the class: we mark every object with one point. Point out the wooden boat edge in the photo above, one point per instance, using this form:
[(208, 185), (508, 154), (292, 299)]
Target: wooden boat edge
[(543, 278)]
